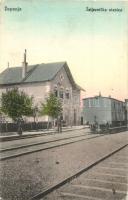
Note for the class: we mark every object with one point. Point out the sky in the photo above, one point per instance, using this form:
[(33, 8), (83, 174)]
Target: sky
[(94, 44)]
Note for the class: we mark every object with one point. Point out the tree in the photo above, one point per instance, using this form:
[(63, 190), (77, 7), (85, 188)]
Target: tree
[(16, 104), (52, 107)]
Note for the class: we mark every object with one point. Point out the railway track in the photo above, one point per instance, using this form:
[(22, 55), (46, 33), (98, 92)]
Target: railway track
[(8, 153), (40, 134), (104, 179), (38, 143)]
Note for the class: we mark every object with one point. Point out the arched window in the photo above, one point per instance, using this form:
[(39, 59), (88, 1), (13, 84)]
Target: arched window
[(67, 94), (56, 91), (61, 93)]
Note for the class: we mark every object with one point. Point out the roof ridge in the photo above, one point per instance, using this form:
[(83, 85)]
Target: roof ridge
[(52, 62)]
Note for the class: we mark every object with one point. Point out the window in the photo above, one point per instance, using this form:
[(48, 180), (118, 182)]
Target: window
[(56, 93), (104, 101), (67, 95), (89, 102), (61, 77), (96, 102), (61, 94)]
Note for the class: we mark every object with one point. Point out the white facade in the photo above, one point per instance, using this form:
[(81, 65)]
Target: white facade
[(71, 104), (61, 84)]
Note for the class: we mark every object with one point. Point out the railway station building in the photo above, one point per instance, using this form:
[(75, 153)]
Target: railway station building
[(41, 79)]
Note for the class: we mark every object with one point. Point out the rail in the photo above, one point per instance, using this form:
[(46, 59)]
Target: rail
[(49, 190)]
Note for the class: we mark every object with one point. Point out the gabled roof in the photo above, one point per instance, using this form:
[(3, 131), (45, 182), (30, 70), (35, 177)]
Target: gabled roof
[(13, 75), (35, 73)]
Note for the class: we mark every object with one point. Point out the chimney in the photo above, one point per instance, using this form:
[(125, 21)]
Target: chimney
[(8, 64), (99, 94), (24, 65)]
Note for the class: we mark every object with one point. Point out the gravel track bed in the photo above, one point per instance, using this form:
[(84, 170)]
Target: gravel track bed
[(24, 177)]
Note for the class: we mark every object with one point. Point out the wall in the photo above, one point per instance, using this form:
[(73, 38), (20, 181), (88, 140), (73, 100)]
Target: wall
[(39, 91), (118, 110), (126, 106), (61, 81), (97, 109)]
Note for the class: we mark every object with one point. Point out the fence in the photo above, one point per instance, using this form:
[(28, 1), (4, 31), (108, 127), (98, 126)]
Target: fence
[(118, 129), (106, 129), (30, 126)]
